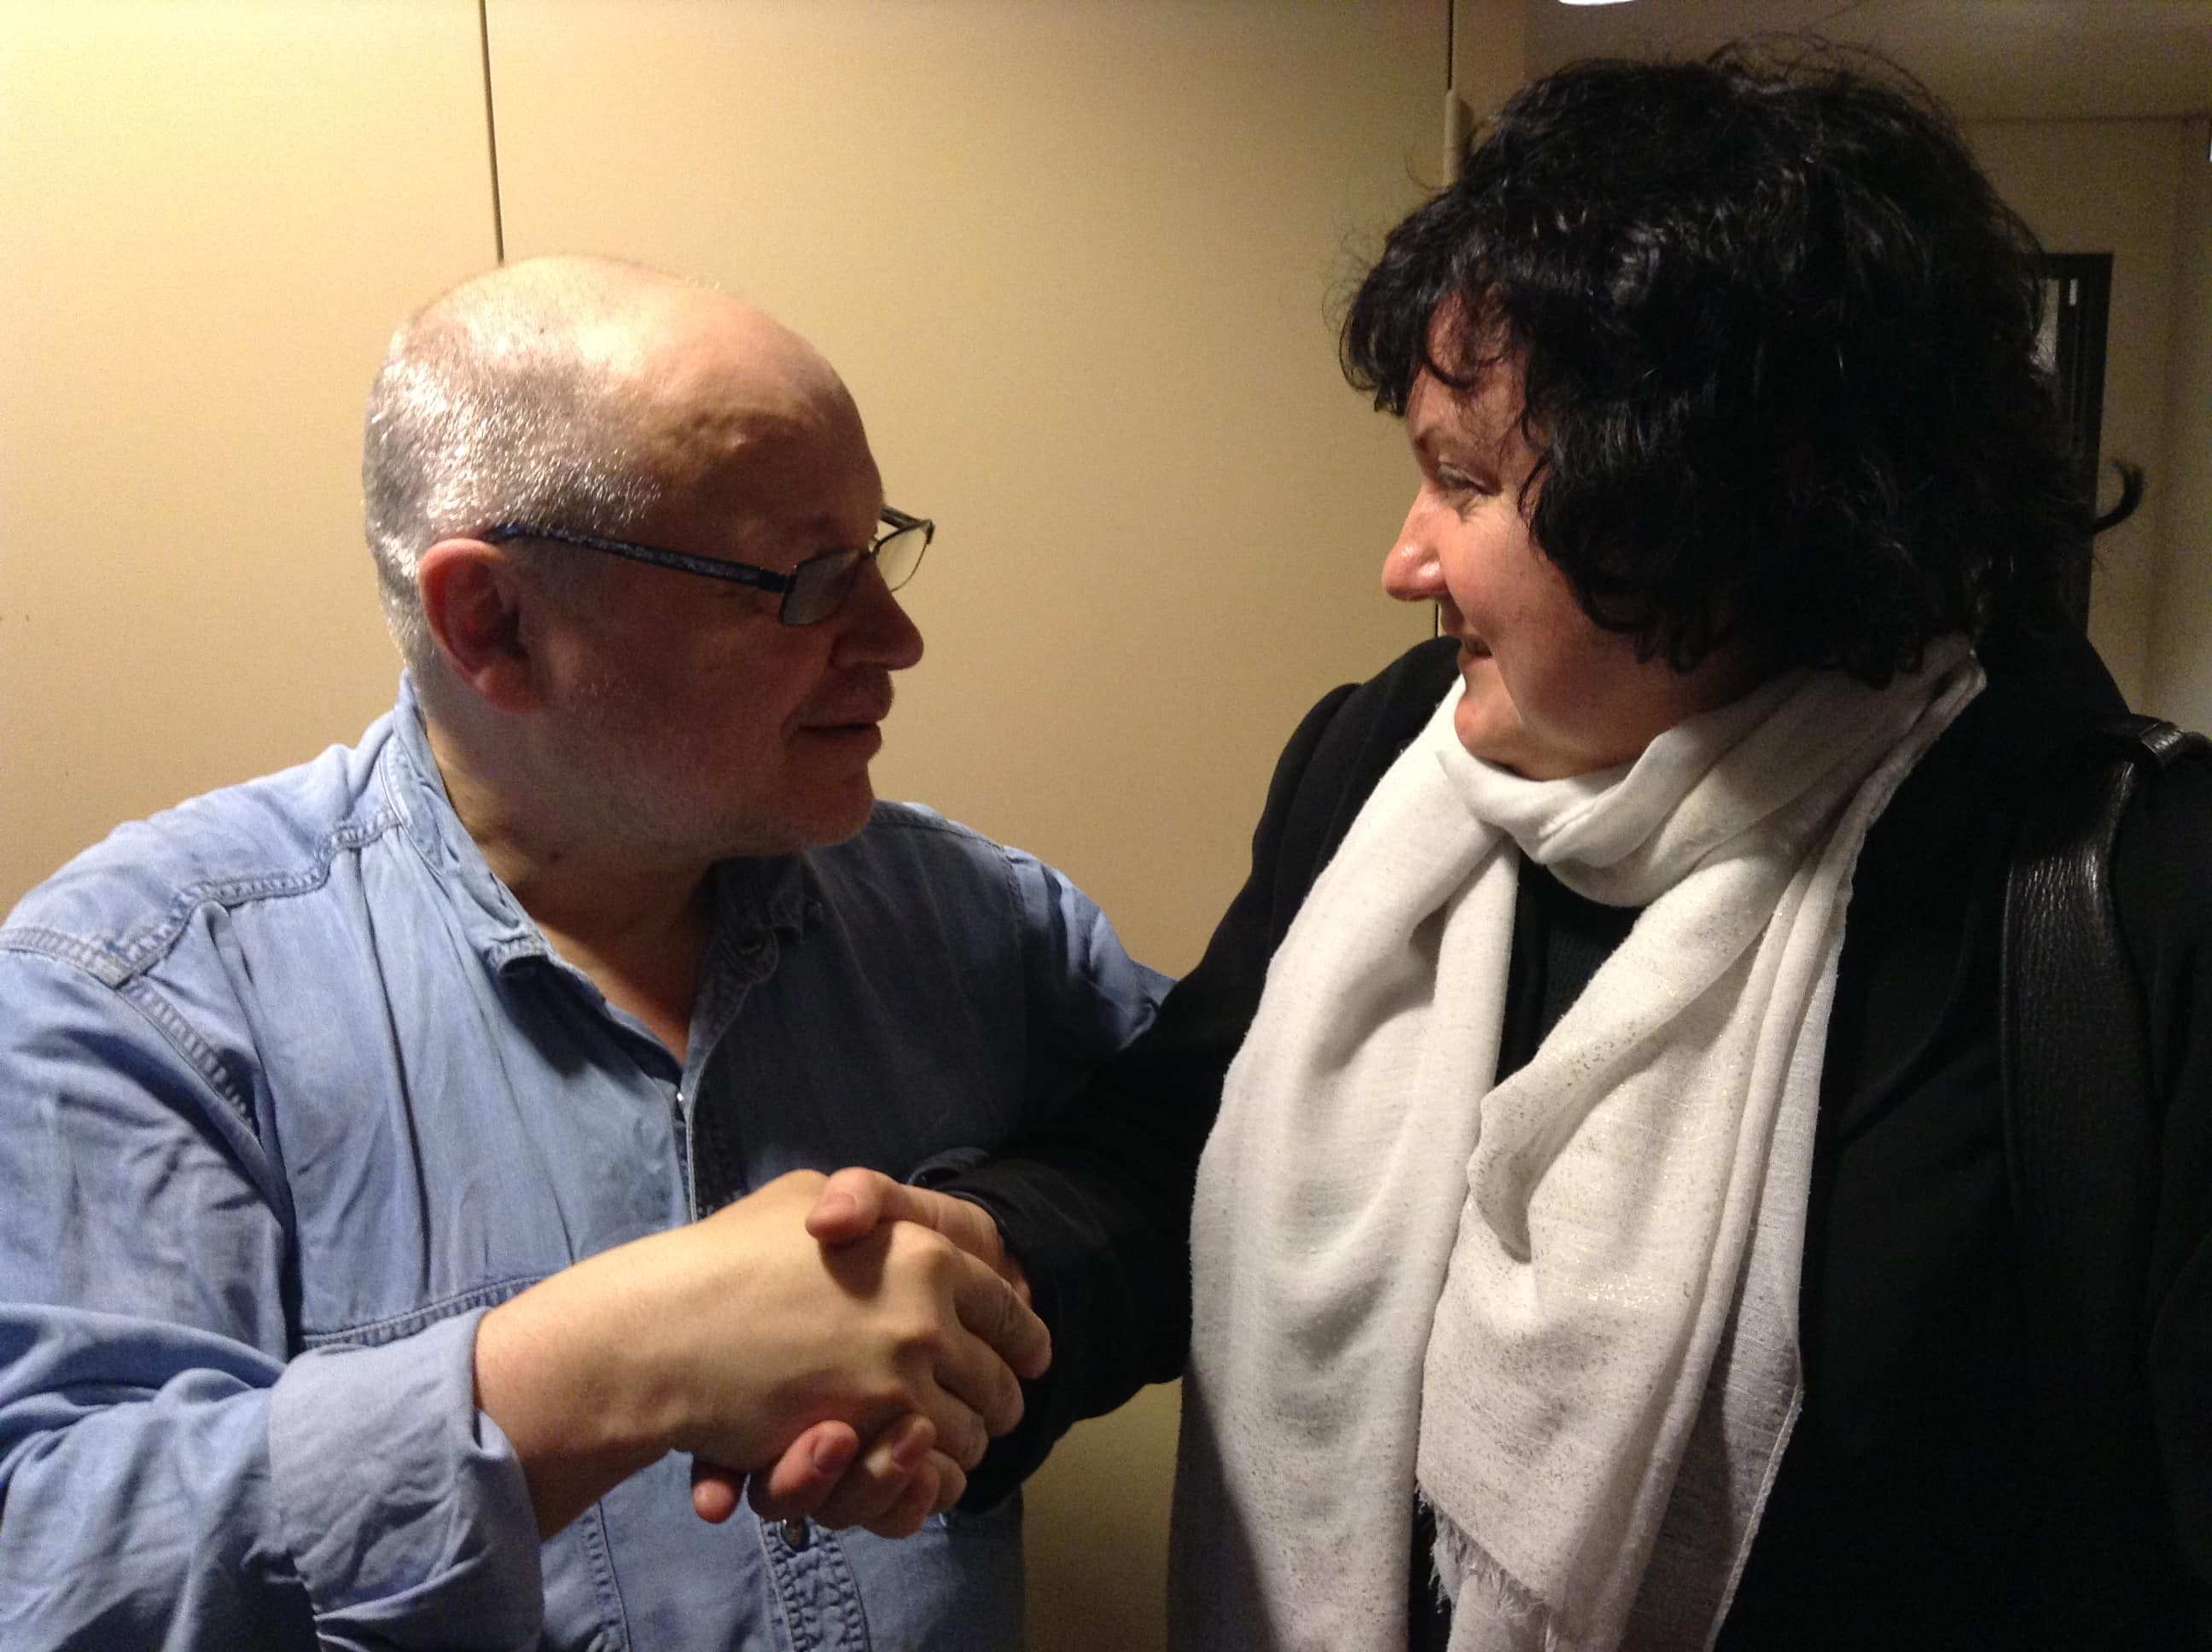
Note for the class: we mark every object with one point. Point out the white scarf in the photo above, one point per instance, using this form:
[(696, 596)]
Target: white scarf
[(1564, 1306)]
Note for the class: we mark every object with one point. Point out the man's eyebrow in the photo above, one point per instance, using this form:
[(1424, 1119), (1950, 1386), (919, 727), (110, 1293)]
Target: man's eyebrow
[(821, 525)]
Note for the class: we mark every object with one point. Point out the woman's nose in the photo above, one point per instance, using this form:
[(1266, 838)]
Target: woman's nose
[(1410, 571)]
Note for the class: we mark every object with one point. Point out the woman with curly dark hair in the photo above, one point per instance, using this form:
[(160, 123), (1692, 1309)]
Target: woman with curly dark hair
[(1604, 1235), (1616, 1155)]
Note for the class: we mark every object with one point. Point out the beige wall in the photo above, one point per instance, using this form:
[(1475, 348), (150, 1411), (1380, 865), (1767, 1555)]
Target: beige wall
[(1490, 52), (2180, 684), (2112, 186), (210, 216), (1076, 261), (1076, 257)]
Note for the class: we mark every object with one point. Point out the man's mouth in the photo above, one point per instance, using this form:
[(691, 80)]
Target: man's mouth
[(857, 701), (850, 715)]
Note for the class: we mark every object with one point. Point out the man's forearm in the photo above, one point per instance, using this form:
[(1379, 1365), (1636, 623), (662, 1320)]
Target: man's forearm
[(304, 1486), (730, 1337)]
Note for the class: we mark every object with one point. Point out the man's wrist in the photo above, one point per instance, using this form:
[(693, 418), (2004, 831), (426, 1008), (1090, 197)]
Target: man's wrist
[(562, 1393)]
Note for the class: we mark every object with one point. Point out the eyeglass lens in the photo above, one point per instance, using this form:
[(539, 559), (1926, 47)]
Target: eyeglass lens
[(900, 554), (821, 584)]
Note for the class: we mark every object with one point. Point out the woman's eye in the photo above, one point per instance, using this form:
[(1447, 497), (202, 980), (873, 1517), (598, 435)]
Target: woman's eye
[(1462, 491)]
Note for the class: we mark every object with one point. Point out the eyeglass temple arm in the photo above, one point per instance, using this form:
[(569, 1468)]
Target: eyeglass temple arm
[(759, 579)]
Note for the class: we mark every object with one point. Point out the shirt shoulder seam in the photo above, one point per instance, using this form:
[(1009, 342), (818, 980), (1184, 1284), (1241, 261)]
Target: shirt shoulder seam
[(116, 960), (893, 815), (70, 953)]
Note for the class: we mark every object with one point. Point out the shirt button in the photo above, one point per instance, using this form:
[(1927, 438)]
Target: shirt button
[(795, 1533)]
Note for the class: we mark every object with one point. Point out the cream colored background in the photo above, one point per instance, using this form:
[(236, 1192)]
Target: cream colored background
[(210, 218), (2117, 187), (1074, 260), (2181, 613), (1076, 257)]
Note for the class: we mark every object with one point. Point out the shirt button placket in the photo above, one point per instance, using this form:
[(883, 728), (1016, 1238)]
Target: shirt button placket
[(815, 1587)]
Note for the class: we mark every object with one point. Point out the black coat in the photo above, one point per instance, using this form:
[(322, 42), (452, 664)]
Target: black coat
[(1916, 1504)]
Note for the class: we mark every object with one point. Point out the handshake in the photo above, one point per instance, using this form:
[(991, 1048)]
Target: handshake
[(841, 1348)]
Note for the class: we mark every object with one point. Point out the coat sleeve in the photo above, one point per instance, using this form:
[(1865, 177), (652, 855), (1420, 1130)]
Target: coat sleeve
[(1096, 1204), (174, 1472)]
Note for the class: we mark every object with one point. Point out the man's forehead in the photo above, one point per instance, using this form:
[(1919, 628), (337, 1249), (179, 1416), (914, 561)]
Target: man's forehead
[(798, 482), (731, 411), (732, 398), (707, 438)]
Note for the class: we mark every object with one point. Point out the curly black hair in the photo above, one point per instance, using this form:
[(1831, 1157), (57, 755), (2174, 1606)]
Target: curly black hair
[(1778, 337)]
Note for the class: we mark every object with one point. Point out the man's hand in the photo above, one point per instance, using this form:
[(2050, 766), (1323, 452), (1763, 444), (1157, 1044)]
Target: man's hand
[(898, 1483), (731, 1336)]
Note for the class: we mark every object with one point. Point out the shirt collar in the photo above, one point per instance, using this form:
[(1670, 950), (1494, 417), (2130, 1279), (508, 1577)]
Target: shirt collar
[(491, 918), (780, 891)]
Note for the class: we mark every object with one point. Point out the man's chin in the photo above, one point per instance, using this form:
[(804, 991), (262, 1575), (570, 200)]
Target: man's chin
[(808, 817), (833, 817)]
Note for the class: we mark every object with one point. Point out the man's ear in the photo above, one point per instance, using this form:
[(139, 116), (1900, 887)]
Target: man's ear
[(472, 600)]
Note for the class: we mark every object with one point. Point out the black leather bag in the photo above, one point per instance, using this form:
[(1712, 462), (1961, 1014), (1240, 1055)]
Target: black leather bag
[(2082, 1128)]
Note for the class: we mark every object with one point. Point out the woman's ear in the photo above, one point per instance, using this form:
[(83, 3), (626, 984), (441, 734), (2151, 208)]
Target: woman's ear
[(472, 598)]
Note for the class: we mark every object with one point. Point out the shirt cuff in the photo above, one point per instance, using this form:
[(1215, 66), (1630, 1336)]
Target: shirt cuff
[(403, 1506)]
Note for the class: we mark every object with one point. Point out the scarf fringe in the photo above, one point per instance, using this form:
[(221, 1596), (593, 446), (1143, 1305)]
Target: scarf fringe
[(1460, 1563)]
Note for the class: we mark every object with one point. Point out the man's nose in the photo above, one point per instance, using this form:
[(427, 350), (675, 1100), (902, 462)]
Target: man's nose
[(873, 629)]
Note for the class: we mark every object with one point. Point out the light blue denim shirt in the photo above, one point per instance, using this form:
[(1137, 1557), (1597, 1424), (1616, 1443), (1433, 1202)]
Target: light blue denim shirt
[(291, 1090)]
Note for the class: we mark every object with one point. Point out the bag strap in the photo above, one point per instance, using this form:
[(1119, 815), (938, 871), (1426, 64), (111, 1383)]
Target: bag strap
[(2080, 1120), (2082, 1130)]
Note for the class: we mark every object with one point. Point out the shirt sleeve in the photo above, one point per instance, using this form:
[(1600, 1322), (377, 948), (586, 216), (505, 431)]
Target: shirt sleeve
[(171, 1474), (1088, 997)]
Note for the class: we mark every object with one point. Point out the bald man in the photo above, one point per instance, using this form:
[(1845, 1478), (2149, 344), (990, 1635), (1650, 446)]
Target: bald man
[(404, 1158)]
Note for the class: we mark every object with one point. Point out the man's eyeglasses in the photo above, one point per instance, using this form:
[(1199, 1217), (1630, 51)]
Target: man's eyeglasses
[(813, 591)]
